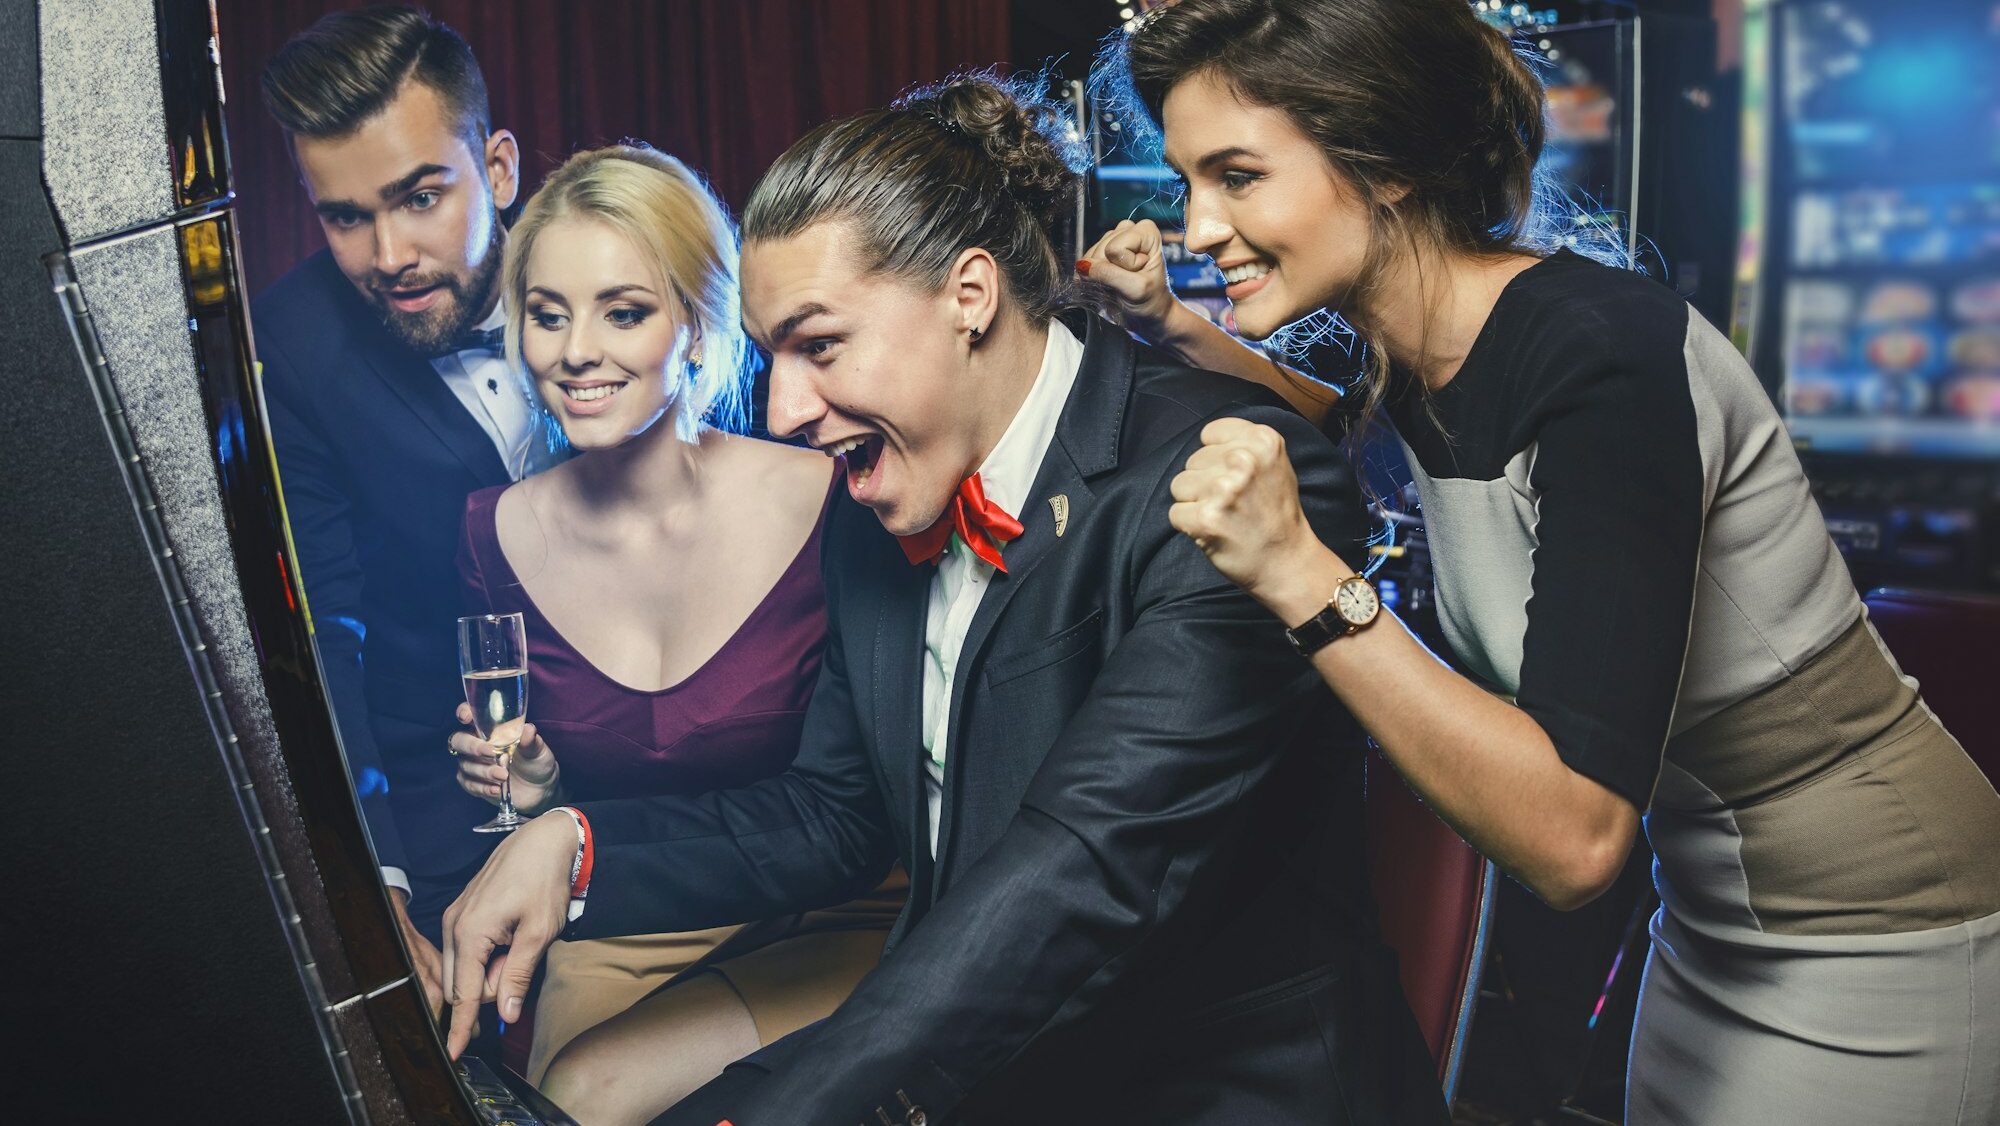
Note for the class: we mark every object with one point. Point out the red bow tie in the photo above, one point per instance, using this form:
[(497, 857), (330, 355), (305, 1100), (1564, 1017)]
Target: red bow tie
[(983, 525)]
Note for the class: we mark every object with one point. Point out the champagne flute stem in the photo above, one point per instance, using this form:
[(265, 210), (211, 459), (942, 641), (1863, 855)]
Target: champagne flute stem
[(507, 783)]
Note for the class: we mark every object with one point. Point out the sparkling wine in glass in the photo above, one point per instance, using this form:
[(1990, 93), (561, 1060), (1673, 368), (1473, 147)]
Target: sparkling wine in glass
[(493, 662)]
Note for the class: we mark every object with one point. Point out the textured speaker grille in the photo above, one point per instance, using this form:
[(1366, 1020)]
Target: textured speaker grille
[(104, 154), (152, 363)]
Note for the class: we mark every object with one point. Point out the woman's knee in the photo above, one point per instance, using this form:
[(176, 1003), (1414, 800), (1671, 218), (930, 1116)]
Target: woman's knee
[(639, 1063), (596, 1083)]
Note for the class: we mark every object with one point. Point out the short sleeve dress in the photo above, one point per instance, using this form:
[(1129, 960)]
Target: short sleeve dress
[(1625, 542)]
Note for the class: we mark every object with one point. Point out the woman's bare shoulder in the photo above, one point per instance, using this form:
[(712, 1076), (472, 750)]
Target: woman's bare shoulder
[(772, 471), (516, 525)]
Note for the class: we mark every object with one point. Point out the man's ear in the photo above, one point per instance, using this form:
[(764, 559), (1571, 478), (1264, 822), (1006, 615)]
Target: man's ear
[(973, 283), (503, 168)]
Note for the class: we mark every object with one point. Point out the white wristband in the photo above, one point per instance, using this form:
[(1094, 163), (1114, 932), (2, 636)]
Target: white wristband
[(575, 865)]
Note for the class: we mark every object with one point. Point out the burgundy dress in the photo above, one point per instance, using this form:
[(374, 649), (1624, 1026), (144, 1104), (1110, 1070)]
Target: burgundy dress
[(731, 722)]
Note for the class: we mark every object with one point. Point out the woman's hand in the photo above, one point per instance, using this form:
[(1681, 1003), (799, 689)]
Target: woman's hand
[(536, 776), (1238, 499), (1128, 264)]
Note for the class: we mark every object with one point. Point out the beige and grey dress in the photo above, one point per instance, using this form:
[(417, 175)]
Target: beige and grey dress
[(1624, 540)]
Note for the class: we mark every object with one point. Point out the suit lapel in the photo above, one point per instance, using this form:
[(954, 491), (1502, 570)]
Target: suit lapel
[(420, 388), (1086, 443), (1037, 543), (898, 690)]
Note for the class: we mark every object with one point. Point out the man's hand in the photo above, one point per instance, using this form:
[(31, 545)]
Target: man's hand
[(424, 958), (519, 901)]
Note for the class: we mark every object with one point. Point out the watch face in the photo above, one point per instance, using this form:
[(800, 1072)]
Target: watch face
[(1355, 602)]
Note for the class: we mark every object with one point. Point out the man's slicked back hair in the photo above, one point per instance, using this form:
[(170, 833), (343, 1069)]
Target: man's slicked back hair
[(329, 79)]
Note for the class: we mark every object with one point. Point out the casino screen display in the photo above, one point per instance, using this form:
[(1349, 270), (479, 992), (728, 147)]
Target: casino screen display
[(1889, 117)]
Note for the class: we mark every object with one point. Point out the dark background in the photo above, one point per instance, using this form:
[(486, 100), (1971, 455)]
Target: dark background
[(725, 85)]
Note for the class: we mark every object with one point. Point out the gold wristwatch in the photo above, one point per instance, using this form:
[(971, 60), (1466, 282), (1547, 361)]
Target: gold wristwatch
[(1353, 606)]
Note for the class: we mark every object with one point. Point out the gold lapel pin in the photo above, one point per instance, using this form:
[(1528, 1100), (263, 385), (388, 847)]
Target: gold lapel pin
[(1059, 504)]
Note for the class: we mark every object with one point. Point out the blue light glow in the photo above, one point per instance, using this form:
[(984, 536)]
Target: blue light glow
[(1918, 77)]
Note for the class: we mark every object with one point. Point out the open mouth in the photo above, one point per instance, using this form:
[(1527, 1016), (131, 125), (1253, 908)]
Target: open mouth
[(413, 300), (864, 454)]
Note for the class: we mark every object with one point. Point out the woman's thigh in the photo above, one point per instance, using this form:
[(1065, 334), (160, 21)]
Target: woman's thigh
[(796, 981), (633, 1066), (590, 982), (638, 1062)]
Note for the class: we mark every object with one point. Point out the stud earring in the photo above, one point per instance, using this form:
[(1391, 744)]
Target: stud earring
[(975, 333)]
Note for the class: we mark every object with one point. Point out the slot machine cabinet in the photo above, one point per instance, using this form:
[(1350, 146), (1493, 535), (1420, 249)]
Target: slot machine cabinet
[(1643, 137), (196, 931), (1870, 278)]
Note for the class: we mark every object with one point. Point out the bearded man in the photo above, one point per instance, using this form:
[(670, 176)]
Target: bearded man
[(390, 401)]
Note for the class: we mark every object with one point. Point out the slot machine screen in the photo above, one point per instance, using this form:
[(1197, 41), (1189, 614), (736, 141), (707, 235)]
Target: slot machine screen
[(1888, 130)]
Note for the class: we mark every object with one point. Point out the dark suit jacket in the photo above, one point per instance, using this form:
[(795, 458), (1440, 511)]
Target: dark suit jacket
[(1148, 903), (376, 457)]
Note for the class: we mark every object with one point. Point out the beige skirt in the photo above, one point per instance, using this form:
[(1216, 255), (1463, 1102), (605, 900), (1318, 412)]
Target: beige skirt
[(789, 972)]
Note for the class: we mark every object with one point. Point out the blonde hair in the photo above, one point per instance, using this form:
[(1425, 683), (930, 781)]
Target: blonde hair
[(668, 212)]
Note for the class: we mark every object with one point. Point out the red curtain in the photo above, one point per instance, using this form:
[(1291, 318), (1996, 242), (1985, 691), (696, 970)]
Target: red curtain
[(723, 84)]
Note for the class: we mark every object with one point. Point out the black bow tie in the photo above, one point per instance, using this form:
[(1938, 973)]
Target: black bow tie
[(492, 340)]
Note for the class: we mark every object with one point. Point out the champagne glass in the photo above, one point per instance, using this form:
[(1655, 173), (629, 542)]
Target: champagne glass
[(493, 662)]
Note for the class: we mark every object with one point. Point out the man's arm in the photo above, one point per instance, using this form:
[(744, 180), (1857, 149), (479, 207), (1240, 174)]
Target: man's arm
[(811, 837), (316, 508), (1132, 820)]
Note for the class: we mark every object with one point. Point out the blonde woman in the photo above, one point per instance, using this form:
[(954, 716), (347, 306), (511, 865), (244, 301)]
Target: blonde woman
[(670, 579)]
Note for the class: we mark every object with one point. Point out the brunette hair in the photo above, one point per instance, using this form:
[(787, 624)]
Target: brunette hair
[(1427, 111), (333, 76), (976, 160)]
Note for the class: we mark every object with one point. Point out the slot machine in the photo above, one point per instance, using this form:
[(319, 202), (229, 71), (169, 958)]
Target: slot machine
[(1641, 135), (197, 933), (1871, 273)]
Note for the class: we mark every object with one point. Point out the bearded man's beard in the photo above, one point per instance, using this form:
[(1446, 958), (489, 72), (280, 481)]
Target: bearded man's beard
[(461, 306)]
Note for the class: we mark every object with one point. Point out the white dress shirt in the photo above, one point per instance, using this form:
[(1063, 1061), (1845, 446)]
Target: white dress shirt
[(962, 577), (496, 395)]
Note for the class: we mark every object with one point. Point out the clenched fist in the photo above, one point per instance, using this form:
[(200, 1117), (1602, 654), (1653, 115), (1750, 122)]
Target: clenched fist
[(1128, 264), (1238, 499)]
